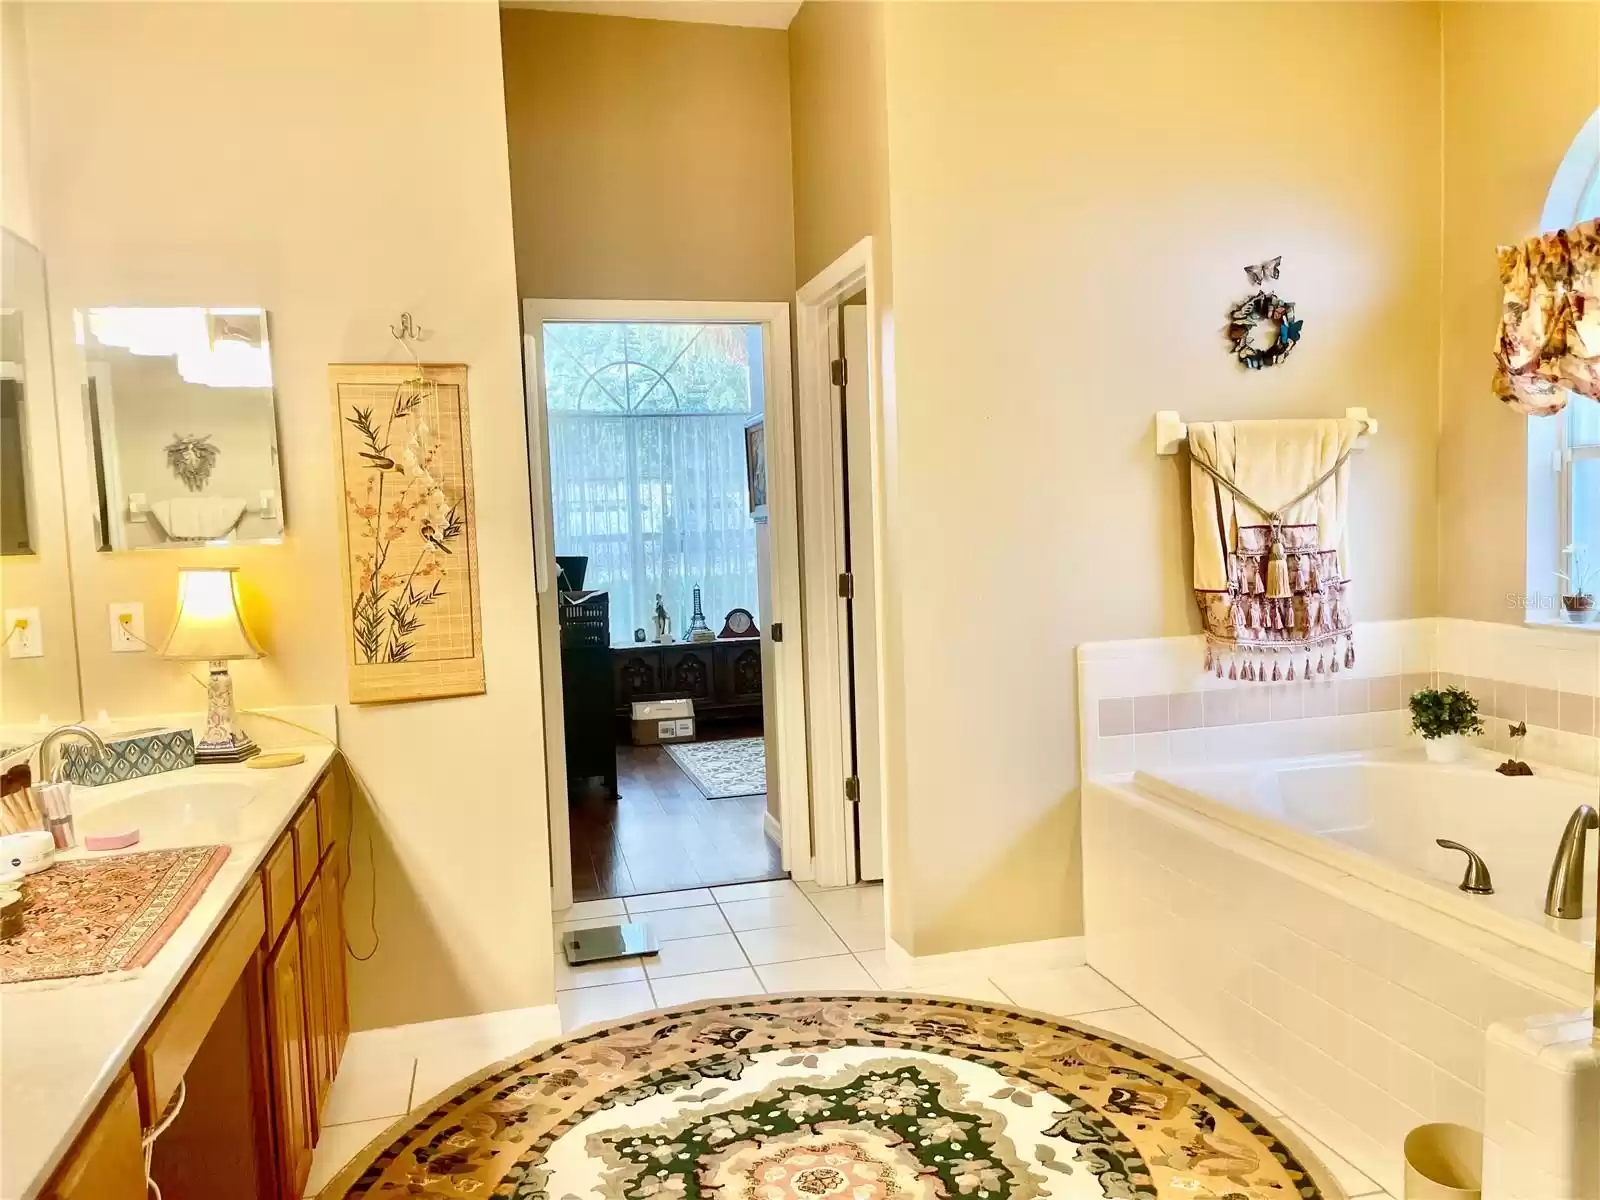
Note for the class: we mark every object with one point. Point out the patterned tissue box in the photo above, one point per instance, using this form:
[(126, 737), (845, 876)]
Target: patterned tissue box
[(147, 753)]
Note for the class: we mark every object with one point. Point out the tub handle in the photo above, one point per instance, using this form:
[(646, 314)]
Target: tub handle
[(1477, 879)]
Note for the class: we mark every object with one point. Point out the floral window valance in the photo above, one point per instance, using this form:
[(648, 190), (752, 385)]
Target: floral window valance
[(1550, 322)]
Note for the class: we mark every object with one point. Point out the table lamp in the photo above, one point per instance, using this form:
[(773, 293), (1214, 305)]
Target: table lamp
[(210, 628)]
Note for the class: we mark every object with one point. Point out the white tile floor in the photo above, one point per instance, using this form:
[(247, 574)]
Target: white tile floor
[(727, 941)]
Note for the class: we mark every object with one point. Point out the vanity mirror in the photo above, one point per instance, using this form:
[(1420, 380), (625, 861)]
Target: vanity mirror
[(38, 648), (181, 426)]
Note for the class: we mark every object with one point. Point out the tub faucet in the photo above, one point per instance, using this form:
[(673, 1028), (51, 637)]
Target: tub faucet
[(1563, 899), (1477, 879)]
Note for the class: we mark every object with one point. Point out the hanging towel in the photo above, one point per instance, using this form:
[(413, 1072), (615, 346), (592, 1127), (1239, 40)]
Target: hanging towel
[(1270, 501), (197, 518)]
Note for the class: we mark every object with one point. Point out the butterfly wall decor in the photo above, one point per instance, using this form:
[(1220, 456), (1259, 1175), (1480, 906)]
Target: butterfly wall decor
[(1262, 328), (1262, 272)]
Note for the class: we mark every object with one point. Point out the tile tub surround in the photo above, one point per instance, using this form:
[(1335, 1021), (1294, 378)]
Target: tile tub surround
[(1148, 704), (1542, 1087), (1359, 1012)]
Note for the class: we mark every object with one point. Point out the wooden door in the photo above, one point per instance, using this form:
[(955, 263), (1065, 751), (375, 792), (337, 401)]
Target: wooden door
[(291, 1085), (314, 949)]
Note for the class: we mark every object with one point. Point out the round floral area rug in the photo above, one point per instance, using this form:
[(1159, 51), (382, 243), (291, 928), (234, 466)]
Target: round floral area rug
[(836, 1098)]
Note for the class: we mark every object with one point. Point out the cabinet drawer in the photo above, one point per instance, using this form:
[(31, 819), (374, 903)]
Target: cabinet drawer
[(278, 875), (167, 1050), (307, 845), (107, 1162)]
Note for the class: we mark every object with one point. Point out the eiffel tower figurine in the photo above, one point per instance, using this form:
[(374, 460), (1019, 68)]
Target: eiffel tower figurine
[(698, 630)]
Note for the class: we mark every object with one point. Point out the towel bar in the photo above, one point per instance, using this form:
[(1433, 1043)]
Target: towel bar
[(1170, 429)]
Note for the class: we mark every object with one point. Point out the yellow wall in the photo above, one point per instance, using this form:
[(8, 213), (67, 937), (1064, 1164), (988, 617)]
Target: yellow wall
[(1502, 144), (43, 688), (838, 104), (335, 163), (1073, 191), (649, 159)]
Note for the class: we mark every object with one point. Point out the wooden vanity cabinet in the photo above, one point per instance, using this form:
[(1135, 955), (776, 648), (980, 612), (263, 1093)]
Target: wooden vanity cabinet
[(255, 1031), (107, 1161), (307, 1000)]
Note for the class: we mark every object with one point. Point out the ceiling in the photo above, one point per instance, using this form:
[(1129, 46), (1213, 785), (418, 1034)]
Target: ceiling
[(756, 14)]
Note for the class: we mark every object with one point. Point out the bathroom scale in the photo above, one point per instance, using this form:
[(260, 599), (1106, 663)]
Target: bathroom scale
[(608, 941)]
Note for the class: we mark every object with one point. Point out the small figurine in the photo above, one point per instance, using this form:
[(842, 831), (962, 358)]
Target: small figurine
[(663, 622), (1514, 765)]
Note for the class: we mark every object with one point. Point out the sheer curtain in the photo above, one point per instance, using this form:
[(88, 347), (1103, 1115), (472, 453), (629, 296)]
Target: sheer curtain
[(648, 478)]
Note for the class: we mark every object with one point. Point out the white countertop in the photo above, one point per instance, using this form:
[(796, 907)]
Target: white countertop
[(63, 1043)]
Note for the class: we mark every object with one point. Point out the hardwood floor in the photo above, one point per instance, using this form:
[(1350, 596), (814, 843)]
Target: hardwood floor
[(662, 835)]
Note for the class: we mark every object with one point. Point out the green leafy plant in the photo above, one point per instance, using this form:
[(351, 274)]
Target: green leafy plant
[(1437, 713)]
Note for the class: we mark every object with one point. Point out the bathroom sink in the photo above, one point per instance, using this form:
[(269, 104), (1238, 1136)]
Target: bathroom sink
[(173, 813)]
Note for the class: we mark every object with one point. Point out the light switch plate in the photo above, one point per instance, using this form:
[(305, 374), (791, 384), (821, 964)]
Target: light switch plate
[(121, 641), (27, 642)]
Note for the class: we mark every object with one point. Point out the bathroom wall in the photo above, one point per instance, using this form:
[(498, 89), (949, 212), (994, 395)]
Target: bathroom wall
[(1502, 144), (41, 690), (649, 159), (337, 164), (1074, 190), (838, 106)]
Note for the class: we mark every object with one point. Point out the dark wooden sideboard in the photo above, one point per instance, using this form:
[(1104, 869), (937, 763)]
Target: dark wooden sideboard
[(723, 678)]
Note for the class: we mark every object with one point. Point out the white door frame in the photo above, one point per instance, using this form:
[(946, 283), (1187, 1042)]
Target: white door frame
[(788, 689), (816, 312)]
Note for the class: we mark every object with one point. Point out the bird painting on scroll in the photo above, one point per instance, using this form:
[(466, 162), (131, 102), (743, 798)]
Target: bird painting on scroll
[(409, 545)]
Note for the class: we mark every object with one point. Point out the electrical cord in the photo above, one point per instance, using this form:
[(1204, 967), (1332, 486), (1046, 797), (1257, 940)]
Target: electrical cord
[(147, 1141), (17, 626)]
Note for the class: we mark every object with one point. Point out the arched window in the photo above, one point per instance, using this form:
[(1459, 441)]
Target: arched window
[(1564, 451)]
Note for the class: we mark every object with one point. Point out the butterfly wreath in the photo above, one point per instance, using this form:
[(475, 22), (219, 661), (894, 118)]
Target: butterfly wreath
[(1263, 309)]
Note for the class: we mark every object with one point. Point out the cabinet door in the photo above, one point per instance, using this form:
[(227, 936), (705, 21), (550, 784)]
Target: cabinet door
[(338, 977), (291, 1085), (107, 1161), (314, 949), (686, 671)]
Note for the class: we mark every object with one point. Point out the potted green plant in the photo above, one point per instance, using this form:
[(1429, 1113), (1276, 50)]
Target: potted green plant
[(1444, 718), (1577, 598)]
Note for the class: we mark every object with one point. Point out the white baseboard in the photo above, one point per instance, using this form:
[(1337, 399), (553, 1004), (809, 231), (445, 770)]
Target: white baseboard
[(773, 829), (928, 970)]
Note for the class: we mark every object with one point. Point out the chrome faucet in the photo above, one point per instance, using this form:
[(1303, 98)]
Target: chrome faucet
[(1563, 899), (1477, 879), (50, 742)]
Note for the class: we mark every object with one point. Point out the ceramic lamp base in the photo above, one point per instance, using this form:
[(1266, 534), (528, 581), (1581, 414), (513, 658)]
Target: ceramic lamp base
[(223, 741)]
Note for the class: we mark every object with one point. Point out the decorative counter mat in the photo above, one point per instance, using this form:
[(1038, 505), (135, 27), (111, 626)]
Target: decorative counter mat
[(94, 915)]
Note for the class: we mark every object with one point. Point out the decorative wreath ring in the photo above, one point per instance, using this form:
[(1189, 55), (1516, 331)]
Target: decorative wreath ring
[(1263, 308)]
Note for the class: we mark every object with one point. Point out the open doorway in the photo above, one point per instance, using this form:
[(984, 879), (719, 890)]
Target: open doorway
[(840, 450), (661, 462)]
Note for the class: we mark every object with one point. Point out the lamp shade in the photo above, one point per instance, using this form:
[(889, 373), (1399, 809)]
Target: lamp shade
[(209, 624)]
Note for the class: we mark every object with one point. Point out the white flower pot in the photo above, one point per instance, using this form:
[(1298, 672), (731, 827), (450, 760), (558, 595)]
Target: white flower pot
[(1452, 747)]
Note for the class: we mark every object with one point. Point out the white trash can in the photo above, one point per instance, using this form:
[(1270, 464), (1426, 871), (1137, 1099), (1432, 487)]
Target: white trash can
[(1444, 1162)]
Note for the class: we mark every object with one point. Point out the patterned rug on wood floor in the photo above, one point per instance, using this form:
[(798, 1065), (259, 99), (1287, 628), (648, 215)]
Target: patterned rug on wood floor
[(837, 1098), (725, 769)]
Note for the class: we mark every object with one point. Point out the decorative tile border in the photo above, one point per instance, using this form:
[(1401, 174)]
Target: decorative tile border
[(1149, 704)]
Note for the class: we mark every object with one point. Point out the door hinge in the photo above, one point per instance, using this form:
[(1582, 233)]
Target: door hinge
[(838, 372), (777, 631), (852, 789), (847, 586)]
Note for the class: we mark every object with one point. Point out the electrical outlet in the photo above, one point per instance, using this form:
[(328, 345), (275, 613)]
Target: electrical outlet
[(127, 628), (23, 636)]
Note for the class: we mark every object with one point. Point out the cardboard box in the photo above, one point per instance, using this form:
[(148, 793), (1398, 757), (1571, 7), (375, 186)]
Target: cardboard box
[(657, 722)]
